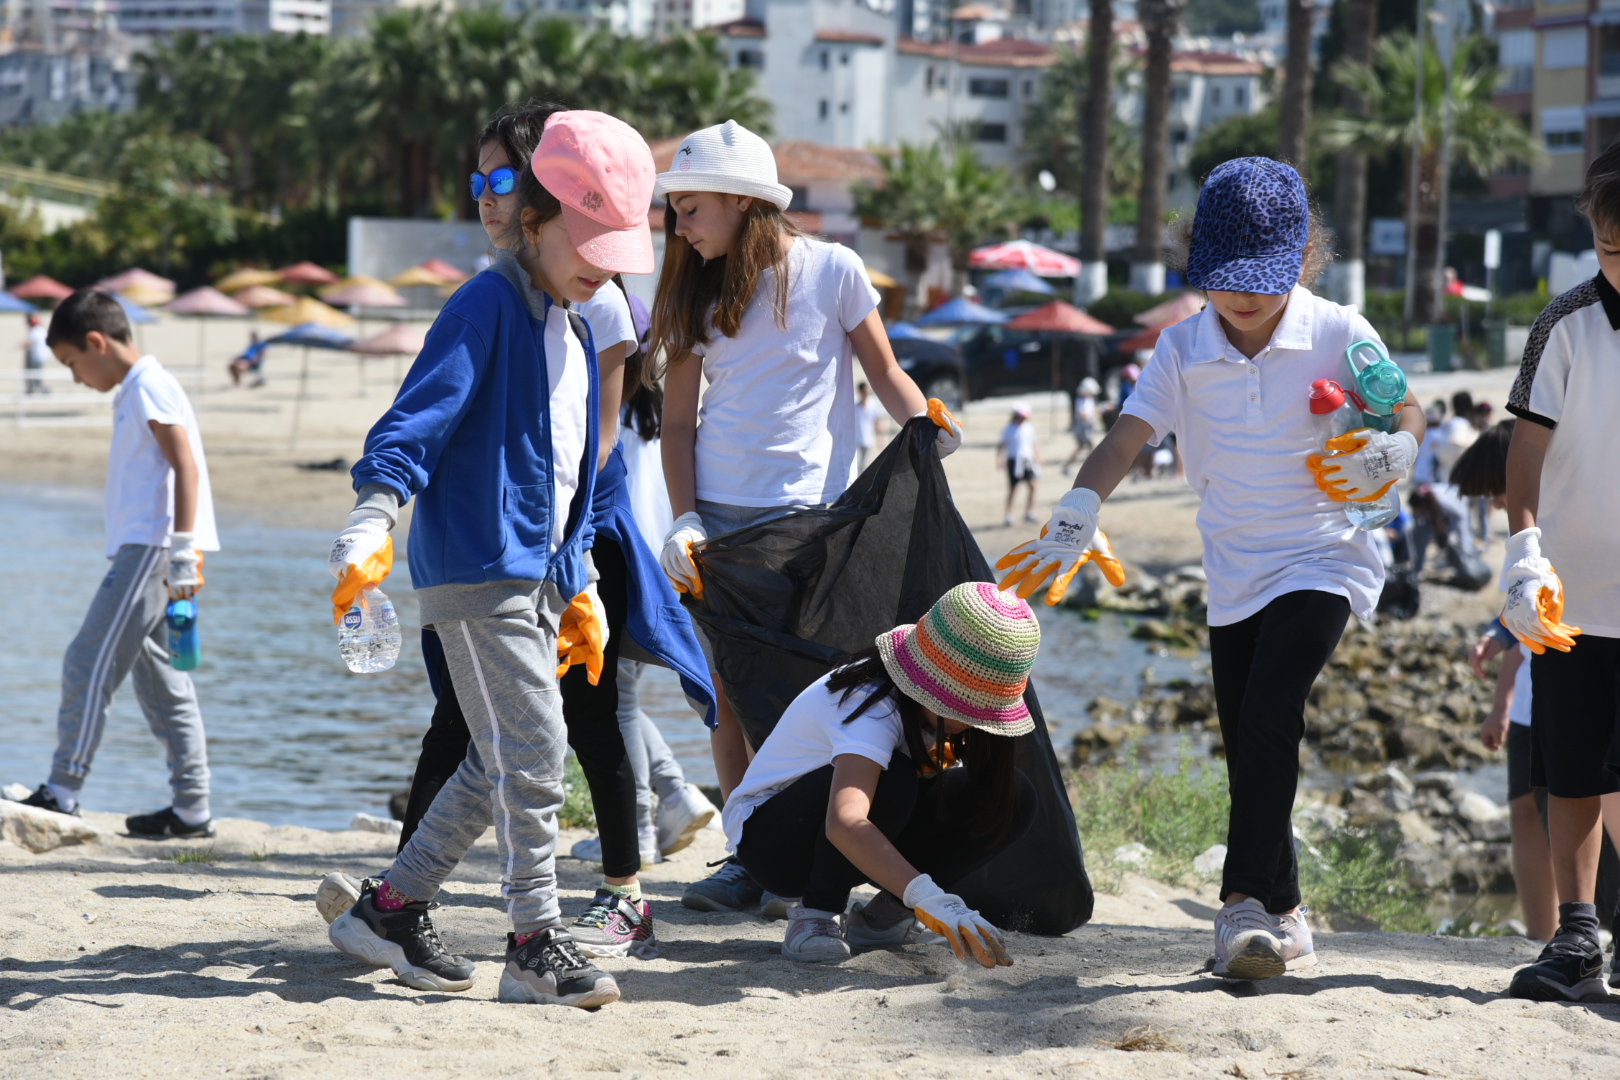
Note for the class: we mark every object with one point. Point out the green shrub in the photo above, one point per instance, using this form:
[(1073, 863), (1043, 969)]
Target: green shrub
[(577, 812), (1177, 815), (1349, 876)]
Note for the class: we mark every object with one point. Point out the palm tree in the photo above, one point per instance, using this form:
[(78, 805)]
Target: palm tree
[(1350, 187), (1092, 282), (1295, 121), (1160, 20), (1484, 138)]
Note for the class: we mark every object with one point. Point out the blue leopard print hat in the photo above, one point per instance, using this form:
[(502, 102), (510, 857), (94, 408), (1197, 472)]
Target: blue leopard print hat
[(1250, 229)]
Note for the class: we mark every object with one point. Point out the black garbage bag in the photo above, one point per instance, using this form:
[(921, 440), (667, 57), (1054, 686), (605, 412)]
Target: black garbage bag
[(783, 601)]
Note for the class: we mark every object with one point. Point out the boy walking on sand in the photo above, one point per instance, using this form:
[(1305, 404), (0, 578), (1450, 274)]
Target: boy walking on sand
[(160, 519), (1562, 506)]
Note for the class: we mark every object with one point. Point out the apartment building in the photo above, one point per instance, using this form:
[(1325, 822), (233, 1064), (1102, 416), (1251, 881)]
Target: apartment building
[(1205, 89), (144, 21)]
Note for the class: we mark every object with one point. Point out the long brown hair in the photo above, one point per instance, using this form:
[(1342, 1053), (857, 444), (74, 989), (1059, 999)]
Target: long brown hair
[(690, 284)]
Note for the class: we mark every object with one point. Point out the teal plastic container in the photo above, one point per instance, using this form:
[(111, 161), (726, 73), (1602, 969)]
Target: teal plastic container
[(1380, 384), (185, 650)]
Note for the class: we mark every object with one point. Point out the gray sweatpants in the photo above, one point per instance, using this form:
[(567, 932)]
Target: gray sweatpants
[(124, 633), (657, 775), (504, 669)]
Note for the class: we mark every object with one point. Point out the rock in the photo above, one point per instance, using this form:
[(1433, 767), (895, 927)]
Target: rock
[(1103, 710), (15, 792), (1397, 800), (1491, 831), (1389, 777), (1419, 744), (41, 830), (1474, 807), (1212, 861), (1512, 926), (1133, 855), (1424, 867), (1153, 630), (372, 823), (1442, 780), (1100, 741), (1416, 829)]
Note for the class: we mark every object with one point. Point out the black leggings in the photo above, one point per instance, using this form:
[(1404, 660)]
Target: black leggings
[(1263, 668), (785, 848), (591, 714)]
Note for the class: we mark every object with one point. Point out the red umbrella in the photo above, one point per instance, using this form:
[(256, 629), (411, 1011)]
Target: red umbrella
[(206, 300), (1024, 255), (307, 273), (40, 287), (1145, 340), (1181, 306), (1059, 318)]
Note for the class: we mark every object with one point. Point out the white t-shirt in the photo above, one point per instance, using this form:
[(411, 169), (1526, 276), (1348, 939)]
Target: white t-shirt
[(1570, 381), (570, 387), (1018, 444), (608, 315), (1244, 429), (644, 476), (139, 503), (1519, 711), (867, 416), (39, 353), (777, 425), (1456, 435), (1085, 411), (810, 734)]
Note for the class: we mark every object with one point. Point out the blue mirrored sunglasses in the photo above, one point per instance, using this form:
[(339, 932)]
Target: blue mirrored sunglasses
[(501, 181)]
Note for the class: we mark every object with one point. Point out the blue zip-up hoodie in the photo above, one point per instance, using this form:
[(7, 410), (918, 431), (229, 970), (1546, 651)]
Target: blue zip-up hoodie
[(656, 620), (469, 433)]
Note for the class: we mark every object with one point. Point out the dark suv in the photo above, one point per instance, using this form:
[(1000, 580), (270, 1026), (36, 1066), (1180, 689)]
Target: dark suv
[(986, 361)]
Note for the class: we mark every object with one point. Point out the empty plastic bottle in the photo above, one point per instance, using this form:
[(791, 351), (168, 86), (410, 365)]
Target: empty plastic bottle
[(368, 636), (184, 649), (1336, 414)]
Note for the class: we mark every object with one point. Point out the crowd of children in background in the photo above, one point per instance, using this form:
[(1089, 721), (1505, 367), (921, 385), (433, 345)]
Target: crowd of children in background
[(563, 483)]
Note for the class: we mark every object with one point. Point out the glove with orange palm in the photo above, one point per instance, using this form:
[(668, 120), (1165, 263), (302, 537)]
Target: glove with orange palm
[(676, 557), (185, 567), (1068, 541), (583, 635), (971, 935), (1534, 612), (362, 556), (1361, 465), (950, 429)]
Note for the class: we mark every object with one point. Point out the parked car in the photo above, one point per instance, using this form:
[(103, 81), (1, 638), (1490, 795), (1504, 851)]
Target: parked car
[(988, 361)]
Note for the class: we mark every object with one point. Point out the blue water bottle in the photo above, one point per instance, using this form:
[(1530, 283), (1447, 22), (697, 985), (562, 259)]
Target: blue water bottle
[(184, 648)]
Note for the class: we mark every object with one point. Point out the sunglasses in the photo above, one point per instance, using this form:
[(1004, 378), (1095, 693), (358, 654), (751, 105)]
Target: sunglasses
[(501, 181)]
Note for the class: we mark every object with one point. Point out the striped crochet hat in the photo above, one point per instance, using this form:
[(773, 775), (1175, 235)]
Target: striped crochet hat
[(969, 658)]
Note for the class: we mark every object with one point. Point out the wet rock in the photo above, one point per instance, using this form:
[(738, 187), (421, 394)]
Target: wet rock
[(1101, 741), (41, 830), (1106, 710), (1385, 779), (1419, 744), (1474, 807), (1444, 782)]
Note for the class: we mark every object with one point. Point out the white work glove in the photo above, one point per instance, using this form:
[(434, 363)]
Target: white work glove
[(361, 557), (1534, 611), (185, 567), (1068, 541), (1361, 465), (946, 914), (950, 429), (676, 556)]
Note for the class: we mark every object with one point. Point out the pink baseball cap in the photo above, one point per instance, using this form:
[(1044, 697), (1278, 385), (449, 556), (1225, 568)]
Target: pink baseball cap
[(602, 172)]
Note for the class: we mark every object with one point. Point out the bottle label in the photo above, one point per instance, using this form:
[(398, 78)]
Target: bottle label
[(352, 618)]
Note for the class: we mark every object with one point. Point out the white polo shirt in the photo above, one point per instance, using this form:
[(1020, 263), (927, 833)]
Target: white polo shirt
[(1570, 381), (1244, 429), (139, 503)]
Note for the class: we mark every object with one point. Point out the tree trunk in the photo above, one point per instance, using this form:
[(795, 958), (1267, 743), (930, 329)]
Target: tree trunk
[(1095, 120), (1427, 239), (1350, 194), (1159, 18), (1294, 124)]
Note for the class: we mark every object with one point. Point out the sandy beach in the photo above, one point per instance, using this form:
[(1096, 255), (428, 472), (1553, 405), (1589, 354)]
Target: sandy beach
[(129, 958)]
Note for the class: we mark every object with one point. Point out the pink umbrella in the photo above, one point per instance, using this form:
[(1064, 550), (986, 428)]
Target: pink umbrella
[(263, 296), (396, 341), (445, 270), (1181, 306), (365, 295), (207, 300), (307, 273), (1024, 255), (136, 278), (40, 287)]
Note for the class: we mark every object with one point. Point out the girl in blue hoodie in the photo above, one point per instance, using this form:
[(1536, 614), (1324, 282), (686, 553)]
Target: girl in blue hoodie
[(495, 431)]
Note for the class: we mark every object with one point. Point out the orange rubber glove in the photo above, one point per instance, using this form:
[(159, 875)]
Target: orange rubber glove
[(1068, 541), (1534, 612), (972, 936), (582, 636), (1361, 465), (185, 567), (676, 556), (362, 556), (950, 429)]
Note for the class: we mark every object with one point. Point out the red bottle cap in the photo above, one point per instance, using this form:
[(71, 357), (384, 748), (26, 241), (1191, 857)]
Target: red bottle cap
[(1326, 396)]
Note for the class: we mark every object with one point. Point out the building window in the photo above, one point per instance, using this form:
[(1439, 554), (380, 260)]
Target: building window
[(826, 60), (1563, 48), (1239, 95), (843, 58), (996, 133), (751, 58), (1180, 93), (1029, 89), (801, 198), (843, 107), (823, 109), (1214, 95), (989, 88), (1563, 130), (1178, 137)]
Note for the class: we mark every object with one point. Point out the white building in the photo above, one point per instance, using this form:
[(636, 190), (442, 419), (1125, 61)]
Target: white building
[(1205, 88), (155, 20), (673, 16)]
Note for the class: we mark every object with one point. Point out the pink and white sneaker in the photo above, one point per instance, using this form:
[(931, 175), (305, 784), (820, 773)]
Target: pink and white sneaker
[(1247, 945), (616, 926), (1295, 933)]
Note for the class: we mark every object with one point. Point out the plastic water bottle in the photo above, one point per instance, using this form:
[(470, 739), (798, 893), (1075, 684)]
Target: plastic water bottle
[(184, 648), (1336, 414), (368, 636)]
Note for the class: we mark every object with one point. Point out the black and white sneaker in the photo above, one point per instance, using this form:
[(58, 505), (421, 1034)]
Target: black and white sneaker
[(165, 824), (1570, 968), (403, 940), (549, 969), (44, 800)]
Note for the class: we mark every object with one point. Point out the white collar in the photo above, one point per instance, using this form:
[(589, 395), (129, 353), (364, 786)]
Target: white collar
[(135, 369), (1294, 331)]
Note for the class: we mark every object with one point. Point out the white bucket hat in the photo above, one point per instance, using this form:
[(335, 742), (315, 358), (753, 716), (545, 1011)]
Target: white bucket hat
[(728, 158)]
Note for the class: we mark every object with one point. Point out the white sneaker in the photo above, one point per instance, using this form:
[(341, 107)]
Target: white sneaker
[(1246, 944), (337, 894), (587, 850), (681, 816), (813, 937), (647, 842), (1297, 950), (590, 850)]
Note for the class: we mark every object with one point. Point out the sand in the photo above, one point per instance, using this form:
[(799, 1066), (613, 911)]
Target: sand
[(120, 961)]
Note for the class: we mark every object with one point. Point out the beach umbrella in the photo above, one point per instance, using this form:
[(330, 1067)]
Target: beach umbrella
[(961, 310), (1017, 281), (10, 304), (248, 276), (396, 341), (1060, 318), (40, 287), (1024, 255), (263, 296), (418, 276), (306, 273), (203, 303), (307, 309), (365, 294), (151, 297), (880, 280), (142, 282), (307, 336), (1181, 306), (901, 330), (133, 311), (452, 274)]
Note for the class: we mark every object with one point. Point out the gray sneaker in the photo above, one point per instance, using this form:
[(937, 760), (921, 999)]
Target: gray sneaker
[(813, 937), (549, 969), (1246, 943), (729, 888), (1295, 934), (883, 922)]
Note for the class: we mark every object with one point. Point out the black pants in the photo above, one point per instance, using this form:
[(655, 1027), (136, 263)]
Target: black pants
[(785, 848), (591, 714), (1263, 668)]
